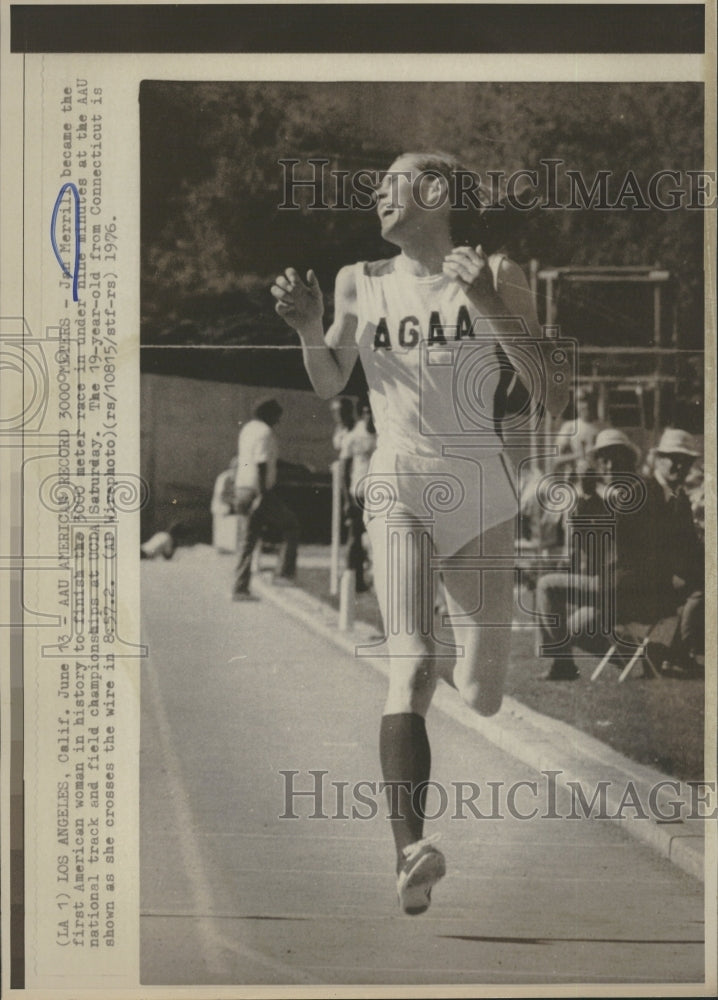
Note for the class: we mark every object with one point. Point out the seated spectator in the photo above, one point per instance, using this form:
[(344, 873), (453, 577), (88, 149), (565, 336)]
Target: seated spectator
[(677, 561), (223, 508), (531, 511), (695, 488), (358, 446), (223, 496), (572, 598), (585, 480), (578, 436), (581, 476)]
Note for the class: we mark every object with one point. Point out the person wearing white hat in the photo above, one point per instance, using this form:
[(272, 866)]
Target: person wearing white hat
[(674, 455), (614, 450), (570, 601)]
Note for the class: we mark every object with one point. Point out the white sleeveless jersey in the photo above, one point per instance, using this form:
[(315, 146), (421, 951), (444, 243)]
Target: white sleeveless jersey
[(429, 358)]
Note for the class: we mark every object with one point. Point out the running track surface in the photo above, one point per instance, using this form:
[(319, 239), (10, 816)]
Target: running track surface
[(233, 694)]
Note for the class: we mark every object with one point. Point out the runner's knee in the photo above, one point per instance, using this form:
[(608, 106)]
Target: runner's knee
[(480, 672), (412, 676), (484, 700)]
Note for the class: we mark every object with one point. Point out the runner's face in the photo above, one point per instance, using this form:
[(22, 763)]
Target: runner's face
[(398, 207)]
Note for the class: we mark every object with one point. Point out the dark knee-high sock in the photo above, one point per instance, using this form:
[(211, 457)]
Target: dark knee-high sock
[(405, 757)]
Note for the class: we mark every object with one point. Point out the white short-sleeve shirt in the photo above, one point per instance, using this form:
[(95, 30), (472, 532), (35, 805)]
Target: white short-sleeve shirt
[(257, 445)]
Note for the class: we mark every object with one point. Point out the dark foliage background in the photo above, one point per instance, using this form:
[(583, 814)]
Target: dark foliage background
[(213, 235)]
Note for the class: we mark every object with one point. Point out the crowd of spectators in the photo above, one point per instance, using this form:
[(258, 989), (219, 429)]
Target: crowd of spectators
[(629, 538), (632, 539)]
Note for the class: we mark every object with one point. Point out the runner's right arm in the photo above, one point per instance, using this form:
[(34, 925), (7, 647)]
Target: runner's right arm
[(514, 291), (329, 360), (470, 269)]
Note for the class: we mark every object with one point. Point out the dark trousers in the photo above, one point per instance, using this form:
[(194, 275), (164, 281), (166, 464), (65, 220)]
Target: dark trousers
[(271, 513), (355, 531), (692, 621), (574, 602), (570, 603)]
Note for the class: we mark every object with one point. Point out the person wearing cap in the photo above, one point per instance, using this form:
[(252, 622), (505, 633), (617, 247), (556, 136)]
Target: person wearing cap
[(569, 601), (677, 562), (258, 505)]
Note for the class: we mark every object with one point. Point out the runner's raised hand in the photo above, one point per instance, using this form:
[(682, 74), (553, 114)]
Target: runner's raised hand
[(299, 304), (470, 268)]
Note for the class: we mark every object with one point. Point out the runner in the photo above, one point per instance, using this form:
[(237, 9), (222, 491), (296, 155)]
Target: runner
[(409, 319)]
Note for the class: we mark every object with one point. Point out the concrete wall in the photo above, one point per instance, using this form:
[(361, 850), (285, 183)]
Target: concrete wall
[(189, 431)]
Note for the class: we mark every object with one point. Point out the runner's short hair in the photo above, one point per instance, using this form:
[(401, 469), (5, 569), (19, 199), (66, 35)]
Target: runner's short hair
[(436, 162), (473, 219)]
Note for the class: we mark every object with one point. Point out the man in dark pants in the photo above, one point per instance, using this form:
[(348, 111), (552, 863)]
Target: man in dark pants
[(258, 505)]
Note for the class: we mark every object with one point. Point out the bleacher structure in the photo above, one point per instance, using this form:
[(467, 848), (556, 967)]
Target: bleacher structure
[(637, 374)]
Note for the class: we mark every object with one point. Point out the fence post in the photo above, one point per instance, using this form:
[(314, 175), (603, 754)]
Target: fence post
[(336, 529), (347, 601)]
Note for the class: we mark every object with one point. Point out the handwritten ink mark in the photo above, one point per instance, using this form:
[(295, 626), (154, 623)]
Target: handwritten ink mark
[(75, 273)]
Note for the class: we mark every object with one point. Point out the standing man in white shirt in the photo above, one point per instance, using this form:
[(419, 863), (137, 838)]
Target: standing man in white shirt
[(258, 504)]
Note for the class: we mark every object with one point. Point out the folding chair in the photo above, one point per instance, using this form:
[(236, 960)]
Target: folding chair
[(661, 634)]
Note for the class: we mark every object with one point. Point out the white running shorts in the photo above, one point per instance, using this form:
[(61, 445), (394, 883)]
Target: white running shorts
[(457, 499)]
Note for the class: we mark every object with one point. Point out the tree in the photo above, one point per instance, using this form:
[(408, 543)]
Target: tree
[(214, 234)]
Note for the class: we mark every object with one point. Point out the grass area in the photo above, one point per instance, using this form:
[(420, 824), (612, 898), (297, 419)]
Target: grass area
[(654, 722)]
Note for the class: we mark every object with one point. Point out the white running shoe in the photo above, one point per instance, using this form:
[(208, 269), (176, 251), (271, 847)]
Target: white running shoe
[(422, 868)]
